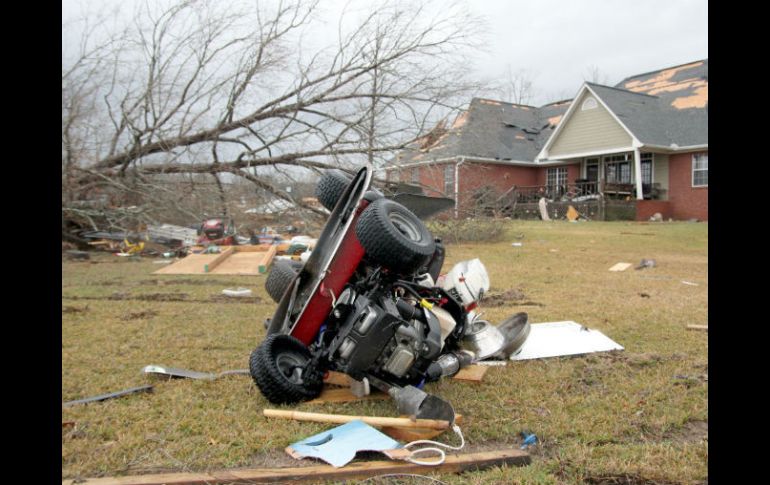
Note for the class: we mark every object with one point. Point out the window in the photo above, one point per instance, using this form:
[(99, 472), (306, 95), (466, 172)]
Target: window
[(700, 170), (592, 169), (449, 179), (589, 103), (617, 169), (416, 175), (646, 162), (556, 176)]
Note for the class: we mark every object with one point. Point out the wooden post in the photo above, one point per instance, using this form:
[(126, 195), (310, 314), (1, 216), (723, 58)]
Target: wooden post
[(638, 174), (218, 260)]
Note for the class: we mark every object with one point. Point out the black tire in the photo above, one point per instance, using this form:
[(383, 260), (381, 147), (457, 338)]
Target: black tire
[(394, 237), (274, 367), (331, 186), (281, 275)]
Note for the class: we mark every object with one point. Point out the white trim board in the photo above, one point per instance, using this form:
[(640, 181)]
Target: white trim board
[(555, 339)]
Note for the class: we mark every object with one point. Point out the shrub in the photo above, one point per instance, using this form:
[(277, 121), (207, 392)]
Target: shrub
[(468, 230)]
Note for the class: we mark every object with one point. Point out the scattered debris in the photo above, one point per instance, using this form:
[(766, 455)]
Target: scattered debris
[(646, 263), (644, 295), (541, 204), (338, 446), (304, 474), (190, 374), (657, 217), (103, 397), (555, 339), (528, 439), (572, 214), (236, 292), (620, 267), (517, 244), (698, 327), (689, 283)]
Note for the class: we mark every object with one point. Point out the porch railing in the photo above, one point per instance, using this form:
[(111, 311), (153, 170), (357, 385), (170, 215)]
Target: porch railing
[(533, 193)]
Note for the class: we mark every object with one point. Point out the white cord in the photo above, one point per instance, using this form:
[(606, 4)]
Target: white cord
[(441, 453)]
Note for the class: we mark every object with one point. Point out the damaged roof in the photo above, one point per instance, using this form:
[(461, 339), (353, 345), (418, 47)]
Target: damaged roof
[(490, 129), (667, 108), (664, 107)]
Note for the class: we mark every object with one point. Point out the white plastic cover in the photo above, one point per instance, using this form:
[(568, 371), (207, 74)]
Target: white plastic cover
[(467, 282)]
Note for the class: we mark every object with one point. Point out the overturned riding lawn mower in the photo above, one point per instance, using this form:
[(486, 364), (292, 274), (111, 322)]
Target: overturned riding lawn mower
[(369, 303)]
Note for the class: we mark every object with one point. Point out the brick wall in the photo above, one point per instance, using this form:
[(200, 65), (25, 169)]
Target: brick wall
[(475, 175), (647, 208), (686, 201), (573, 172)]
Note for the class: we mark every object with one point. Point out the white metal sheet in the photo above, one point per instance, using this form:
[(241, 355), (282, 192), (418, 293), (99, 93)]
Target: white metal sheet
[(554, 339)]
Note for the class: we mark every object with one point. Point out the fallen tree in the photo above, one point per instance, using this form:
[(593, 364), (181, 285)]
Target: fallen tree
[(236, 91)]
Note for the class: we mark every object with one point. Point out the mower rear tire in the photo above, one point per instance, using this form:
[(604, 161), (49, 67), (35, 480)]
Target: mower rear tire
[(394, 237), (281, 275), (330, 187), (279, 368)]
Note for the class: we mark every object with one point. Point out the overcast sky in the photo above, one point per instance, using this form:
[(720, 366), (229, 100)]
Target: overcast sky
[(556, 42)]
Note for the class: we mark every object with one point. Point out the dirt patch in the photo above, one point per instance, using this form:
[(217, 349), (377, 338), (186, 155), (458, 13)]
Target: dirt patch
[(508, 297), (234, 299), (692, 432), (139, 315), (624, 479), (150, 297), (74, 309)]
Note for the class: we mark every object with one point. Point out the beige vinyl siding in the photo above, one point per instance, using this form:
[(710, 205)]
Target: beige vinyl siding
[(660, 172), (588, 131)]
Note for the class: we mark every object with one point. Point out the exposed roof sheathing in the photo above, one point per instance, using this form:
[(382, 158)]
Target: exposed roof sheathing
[(663, 108)]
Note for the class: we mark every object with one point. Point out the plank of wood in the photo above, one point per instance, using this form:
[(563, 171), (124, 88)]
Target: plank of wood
[(414, 434), (253, 248), (454, 463), (192, 264), (267, 259), (246, 263), (370, 420), (698, 327), (472, 373), (337, 379), (344, 395), (620, 266), (218, 260)]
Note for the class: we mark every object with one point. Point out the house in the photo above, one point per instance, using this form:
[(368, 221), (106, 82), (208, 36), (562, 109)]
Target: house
[(644, 139)]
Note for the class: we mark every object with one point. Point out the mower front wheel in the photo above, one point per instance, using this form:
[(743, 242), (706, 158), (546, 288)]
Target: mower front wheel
[(279, 367), (281, 275)]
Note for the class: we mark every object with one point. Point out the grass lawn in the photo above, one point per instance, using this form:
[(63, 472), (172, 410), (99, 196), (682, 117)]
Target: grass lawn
[(636, 416)]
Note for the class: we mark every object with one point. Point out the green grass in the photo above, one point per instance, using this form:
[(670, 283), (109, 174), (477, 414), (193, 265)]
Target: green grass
[(601, 418)]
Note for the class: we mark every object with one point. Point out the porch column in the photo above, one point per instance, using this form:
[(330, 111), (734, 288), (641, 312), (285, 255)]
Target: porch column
[(638, 174)]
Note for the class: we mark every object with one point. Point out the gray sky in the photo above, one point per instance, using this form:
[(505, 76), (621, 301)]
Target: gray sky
[(556, 42)]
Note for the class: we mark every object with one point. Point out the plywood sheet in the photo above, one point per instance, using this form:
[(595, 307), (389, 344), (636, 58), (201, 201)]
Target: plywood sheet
[(192, 264), (243, 263)]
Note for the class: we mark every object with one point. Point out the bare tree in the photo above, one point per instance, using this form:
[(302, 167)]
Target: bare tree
[(232, 90), (595, 75), (516, 86)]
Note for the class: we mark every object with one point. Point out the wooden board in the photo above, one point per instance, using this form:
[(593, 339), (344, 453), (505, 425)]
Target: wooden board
[(234, 260), (357, 470), (698, 327), (192, 264), (344, 395), (620, 267), (472, 373), (413, 434)]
